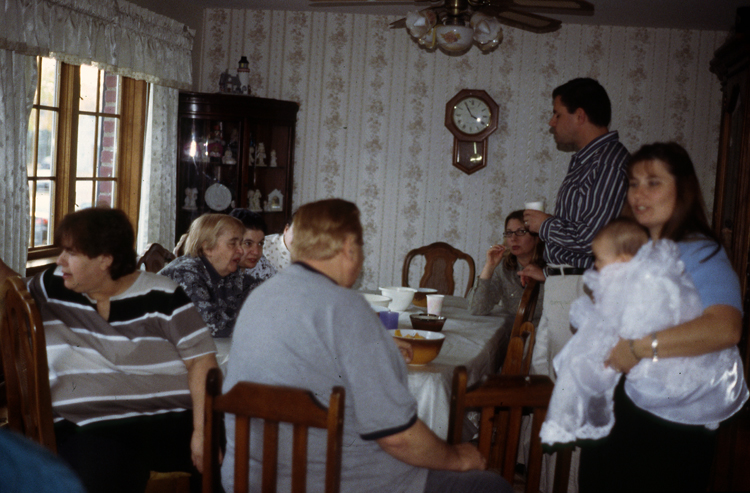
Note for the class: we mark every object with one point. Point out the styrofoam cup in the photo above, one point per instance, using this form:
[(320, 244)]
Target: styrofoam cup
[(434, 304), (536, 206)]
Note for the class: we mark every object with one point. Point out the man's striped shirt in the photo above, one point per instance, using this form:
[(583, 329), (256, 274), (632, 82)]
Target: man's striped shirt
[(592, 194)]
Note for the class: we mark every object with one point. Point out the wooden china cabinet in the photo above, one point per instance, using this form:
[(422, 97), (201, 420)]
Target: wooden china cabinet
[(731, 221), (235, 151)]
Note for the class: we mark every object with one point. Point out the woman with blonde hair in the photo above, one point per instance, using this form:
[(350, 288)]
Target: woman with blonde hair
[(209, 274)]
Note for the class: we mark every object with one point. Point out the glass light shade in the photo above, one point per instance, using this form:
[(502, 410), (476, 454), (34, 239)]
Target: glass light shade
[(487, 30), (429, 40), (420, 23), (454, 38)]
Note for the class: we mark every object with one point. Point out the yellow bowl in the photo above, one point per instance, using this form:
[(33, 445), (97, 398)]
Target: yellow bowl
[(425, 345), (420, 297)]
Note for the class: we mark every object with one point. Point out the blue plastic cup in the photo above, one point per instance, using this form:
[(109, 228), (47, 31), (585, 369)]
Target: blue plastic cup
[(389, 319)]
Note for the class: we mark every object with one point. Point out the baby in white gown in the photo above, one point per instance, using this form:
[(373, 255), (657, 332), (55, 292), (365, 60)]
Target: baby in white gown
[(639, 288)]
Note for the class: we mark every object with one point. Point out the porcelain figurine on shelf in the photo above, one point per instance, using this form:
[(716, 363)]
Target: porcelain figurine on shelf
[(191, 196), (228, 158), (253, 200), (273, 163), (260, 155), (215, 144)]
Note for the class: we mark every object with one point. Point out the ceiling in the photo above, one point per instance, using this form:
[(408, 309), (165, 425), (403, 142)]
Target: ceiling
[(715, 15)]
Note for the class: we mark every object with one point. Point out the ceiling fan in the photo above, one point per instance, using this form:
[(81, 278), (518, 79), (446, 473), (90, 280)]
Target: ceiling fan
[(453, 25)]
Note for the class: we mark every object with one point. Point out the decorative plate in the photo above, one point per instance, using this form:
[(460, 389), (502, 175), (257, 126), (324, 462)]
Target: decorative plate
[(218, 197)]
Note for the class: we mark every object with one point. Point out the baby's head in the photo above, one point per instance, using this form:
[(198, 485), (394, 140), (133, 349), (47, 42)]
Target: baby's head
[(618, 241)]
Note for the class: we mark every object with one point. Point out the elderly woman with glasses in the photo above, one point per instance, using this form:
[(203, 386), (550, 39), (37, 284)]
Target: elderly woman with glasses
[(504, 285)]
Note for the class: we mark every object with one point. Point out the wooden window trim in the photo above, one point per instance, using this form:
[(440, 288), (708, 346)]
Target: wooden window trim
[(131, 145)]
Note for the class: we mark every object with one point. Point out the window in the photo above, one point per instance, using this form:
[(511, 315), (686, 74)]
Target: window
[(85, 146)]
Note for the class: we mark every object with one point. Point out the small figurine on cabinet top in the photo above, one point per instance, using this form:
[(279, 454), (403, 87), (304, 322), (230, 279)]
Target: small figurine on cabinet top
[(243, 72), (253, 200), (260, 155), (228, 158), (191, 196), (273, 159), (229, 83)]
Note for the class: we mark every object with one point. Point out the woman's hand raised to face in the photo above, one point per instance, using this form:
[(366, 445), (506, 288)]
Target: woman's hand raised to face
[(493, 258)]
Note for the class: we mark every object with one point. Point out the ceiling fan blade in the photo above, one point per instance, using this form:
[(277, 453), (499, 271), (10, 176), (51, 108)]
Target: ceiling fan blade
[(401, 23), (332, 2), (566, 7), (526, 20)]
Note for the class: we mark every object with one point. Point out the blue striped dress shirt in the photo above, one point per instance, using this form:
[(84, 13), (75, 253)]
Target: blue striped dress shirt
[(592, 193)]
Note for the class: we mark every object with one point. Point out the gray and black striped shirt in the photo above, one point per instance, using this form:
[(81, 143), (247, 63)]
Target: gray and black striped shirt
[(130, 365)]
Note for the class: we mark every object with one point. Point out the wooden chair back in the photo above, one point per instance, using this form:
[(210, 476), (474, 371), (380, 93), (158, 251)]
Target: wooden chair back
[(527, 306), (155, 258), (522, 337), (440, 258), (502, 400), (273, 404), (24, 356)]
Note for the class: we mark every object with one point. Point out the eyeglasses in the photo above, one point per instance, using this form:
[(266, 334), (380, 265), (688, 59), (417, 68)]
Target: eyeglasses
[(518, 232)]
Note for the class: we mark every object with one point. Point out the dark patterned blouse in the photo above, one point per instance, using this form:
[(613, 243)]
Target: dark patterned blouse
[(217, 298)]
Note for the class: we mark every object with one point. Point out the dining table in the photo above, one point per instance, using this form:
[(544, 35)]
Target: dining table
[(476, 342)]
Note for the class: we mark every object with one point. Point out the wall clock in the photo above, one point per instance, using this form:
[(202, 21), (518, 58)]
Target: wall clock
[(471, 116)]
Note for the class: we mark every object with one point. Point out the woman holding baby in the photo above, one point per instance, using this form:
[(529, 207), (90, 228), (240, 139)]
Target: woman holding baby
[(644, 451)]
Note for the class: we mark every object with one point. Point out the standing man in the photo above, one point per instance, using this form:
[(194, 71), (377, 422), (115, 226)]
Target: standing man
[(592, 193)]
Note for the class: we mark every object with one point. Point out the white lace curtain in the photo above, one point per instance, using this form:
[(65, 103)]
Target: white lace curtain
[(110, 34), (156, 223), (114, 35), (17, 83)]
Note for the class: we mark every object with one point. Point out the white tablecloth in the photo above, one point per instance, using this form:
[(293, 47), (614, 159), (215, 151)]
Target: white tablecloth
[(469, 340)]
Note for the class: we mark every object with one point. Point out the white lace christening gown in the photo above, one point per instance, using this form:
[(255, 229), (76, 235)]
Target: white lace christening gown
[(632, 300)]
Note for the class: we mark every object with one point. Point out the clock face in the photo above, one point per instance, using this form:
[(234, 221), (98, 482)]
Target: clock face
[(471, 115)]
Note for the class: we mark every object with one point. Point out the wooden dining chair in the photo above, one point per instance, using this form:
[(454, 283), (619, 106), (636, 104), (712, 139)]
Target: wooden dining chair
[(502, 400), (527, 306), (155, 258), (440, 258), (24, 355), (522, 336), (273, 404)]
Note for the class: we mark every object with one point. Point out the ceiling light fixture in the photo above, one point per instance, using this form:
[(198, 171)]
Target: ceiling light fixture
[(453, 34)]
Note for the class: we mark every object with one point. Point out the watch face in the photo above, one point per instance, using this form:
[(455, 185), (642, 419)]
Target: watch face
[(471, 115)]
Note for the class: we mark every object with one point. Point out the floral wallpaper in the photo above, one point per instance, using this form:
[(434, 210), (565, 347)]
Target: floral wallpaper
[(372, 109)]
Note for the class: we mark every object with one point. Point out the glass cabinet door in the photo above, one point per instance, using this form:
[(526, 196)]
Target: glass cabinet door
[(209, 164)]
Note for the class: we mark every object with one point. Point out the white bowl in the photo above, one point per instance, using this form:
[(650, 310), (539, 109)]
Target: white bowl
[(377, 299), (401, 297)]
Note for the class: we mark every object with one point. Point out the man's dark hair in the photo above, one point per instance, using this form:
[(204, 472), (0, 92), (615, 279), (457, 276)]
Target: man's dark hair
[(250, 219), (589, 95), (100, 231)]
